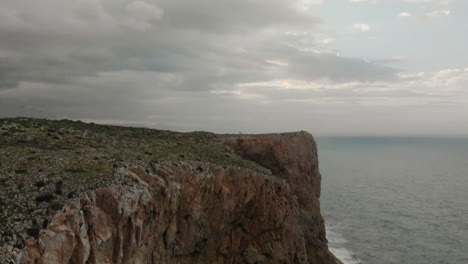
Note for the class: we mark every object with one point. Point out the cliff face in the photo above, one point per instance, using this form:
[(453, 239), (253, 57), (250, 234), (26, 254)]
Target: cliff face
[(196, 209), (293, 157)]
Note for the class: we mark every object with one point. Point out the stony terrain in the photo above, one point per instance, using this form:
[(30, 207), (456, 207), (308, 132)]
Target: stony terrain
[(73, 192)]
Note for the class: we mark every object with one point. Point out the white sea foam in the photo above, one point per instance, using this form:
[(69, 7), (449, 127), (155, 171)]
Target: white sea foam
[(337, 246), (345, 255)]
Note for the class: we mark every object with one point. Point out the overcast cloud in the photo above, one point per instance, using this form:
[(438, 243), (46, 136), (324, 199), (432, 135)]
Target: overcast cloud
[(223, 66)]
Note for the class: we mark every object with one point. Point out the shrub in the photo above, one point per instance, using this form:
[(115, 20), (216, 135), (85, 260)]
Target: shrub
[(44, 197), (34, 232), (56, 206), (72, 170), (58, 187), (39, 184)]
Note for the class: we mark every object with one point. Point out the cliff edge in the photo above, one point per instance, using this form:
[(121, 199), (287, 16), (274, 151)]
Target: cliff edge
[(293, 157), (83, 193)]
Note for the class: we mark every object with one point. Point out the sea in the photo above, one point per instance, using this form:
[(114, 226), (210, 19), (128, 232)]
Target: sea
[(395, 200)]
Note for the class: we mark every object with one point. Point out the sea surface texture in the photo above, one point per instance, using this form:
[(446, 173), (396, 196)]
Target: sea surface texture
[(395, 200)]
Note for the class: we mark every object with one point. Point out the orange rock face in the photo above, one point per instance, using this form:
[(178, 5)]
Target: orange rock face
[(293, 157), (199, 213)]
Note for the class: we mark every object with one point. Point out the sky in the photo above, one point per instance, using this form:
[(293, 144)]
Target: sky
[(330, 67)]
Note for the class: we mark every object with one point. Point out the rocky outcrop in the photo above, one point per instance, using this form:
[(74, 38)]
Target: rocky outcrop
[(293, 157), (197, 212)]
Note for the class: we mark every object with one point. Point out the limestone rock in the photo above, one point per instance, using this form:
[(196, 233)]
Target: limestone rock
[(207, 199)]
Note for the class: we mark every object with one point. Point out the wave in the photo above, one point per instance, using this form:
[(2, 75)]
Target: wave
[(337, 244)]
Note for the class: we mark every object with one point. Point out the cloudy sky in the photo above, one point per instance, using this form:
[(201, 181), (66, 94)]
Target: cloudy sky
[(331, 67)]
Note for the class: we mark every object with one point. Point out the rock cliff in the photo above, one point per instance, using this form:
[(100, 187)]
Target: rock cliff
[(244, 199), (293, 157)]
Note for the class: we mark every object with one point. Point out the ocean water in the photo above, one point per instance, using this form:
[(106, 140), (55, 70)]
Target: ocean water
[(395, 200)]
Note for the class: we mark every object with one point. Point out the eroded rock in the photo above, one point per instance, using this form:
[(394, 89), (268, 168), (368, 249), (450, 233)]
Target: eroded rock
[(188, 198)]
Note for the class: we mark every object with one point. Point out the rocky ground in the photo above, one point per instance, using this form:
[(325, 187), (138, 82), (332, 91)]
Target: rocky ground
[(45, 164), (73, 192)]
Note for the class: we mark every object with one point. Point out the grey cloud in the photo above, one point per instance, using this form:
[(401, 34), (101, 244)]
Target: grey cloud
[(94, 59), (311, 66), (14, 70), (225, 16), (198, 39)]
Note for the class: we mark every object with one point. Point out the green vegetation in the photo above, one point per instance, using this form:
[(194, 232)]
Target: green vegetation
[(44, 163), (75, 170), (56, 205), (44, 197)]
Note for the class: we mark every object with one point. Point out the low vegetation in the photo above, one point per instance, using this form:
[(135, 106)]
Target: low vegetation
[(44, 163)]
